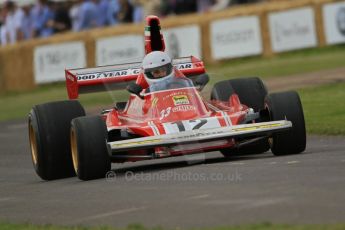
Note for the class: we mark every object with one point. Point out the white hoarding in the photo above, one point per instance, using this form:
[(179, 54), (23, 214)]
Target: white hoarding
[(334, 22), (236, 37), (292, 29), (50, 61), (183, 41), (119, 49)]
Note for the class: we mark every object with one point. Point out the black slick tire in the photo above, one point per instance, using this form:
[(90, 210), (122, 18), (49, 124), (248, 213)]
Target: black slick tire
[(89, 147), (49, 127)]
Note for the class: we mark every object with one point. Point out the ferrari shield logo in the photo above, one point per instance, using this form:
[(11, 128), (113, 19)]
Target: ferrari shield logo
[(181, 100)]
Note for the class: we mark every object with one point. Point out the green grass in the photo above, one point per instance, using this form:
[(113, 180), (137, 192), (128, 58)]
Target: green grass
[(16, 105), (10, 226), (324, 109), (324, 106), (264, 226), (281, 65)]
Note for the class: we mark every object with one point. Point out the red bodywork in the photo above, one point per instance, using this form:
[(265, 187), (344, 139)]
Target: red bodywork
[(173, 111), (162, 112)]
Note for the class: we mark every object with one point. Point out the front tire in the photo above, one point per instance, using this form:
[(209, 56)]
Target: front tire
[(49, 126), (287, 105), (89, 148)]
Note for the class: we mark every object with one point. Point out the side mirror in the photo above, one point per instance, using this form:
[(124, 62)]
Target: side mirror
[(202, 80), (135, 89)]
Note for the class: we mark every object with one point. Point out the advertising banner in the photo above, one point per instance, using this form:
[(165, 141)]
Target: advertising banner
[(236, 37), (334, 22), (119, 49), (50, 61), (183, 41), (292, 29)]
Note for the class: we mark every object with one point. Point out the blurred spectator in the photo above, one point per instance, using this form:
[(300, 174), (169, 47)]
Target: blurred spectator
[(244, 1), (125, 13), (61, 20), (13, 21), (114, 8), (27, 23), (2, 26), (103, 6), (41, 15), (183, 6), (73, 14), (87, 17), (138, 11), (204, 5), (47, 17)]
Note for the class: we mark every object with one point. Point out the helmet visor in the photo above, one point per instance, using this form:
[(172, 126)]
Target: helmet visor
[(159, 72)]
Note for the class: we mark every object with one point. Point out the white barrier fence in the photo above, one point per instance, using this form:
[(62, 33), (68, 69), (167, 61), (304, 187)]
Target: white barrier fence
[(233, 37), (334, 22)]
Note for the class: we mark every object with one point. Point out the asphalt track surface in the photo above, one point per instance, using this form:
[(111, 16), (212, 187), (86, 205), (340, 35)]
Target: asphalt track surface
[(204, 190)]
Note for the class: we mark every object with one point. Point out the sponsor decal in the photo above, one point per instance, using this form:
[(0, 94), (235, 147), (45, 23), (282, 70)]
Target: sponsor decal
[(197, 135), (183, 108), (181, 100), (173, 94), (136, 143), (257, 127), (184, 66), (110, 74)]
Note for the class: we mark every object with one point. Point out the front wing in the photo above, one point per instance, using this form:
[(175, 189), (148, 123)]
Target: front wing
[(205, 135)]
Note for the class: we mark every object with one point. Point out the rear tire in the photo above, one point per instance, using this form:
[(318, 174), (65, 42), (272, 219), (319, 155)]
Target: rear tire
[(251, 92), (49, 126), (287, 105), (89, 148)]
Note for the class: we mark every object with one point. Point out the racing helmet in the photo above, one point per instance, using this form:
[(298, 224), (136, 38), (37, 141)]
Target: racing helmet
[(157, 67)]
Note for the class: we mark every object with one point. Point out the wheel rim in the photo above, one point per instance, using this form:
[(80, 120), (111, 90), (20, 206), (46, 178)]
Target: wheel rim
[(74, 150), (33, 143)]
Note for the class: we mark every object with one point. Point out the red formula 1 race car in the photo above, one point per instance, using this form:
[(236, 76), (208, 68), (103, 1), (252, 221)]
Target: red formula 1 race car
[(159, 122)]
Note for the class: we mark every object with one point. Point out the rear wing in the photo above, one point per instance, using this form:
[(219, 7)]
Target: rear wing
[(114, 77)]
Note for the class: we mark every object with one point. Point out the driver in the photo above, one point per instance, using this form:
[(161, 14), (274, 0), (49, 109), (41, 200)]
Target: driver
[(157, 66), (159, 72)]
